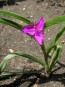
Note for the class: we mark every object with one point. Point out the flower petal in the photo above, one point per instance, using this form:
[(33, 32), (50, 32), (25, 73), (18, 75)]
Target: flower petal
[(39, 37), (28, 29), (40, 23)]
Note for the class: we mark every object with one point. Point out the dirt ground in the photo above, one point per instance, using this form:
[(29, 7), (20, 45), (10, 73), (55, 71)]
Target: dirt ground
[(10, 38)]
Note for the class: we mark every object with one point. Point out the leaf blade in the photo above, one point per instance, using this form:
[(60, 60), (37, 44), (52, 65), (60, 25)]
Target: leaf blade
[(53, 21), (55, 56), (14, 15), (54, 40), (10, 23), (19, 53)]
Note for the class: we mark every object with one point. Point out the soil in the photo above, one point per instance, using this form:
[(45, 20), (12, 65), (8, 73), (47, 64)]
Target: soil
[(10, 38)]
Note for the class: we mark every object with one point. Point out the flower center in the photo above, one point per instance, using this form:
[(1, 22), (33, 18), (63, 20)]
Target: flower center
[(35, 28)]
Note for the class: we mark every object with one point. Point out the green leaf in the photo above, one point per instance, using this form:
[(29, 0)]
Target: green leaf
[(7, 74), (10, 23), (55, 56), (19, 53), (55, 20), (55, 40), (14, 15), (48, 23)]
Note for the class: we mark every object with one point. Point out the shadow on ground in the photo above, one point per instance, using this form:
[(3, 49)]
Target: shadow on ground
[(22, 79), (10, 2), (33, 78)]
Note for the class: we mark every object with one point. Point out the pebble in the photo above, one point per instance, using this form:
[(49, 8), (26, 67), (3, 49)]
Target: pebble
[(14, 78), (26, 39), (24, 9), (15, 42), (49, 38), (63, 42), (11, 50), (31, 16), (50, 54), (48, 30)]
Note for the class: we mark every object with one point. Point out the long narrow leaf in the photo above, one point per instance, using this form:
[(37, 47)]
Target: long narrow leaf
[(10, 23), (7, 74), (55, 57), (19, 53), (54, 40), (14, 15), (55, 20), (48, 23)]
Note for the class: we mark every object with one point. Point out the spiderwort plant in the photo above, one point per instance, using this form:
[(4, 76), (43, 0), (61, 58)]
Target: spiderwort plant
[(36, 30)]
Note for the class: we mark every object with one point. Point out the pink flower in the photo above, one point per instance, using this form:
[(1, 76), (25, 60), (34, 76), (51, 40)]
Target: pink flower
[(35, 30)]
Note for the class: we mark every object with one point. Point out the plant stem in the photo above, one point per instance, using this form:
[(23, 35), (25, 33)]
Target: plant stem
[(45, 56)]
